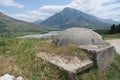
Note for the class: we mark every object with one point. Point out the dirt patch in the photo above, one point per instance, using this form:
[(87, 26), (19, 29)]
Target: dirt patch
[(115, 43)]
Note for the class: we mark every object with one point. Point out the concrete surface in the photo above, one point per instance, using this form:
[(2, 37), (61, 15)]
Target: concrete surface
[(78, 36), (102, 55), (72, 65)]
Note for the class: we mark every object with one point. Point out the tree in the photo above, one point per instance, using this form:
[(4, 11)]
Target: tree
[(113, 29), (119, 28)]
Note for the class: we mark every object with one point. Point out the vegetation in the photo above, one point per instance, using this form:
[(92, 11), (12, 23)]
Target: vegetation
[(68, 50), (112, 73), (17, 57), (115, 29), (9, 25), (114, 32), (111, 36)]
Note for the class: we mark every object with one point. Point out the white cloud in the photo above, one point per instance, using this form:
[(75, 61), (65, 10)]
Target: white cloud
[(99, 8), (42, 13), (1, 10), (10, 3)]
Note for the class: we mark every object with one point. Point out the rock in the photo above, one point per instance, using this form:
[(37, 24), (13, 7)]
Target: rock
[(7, 77), (19, 78)]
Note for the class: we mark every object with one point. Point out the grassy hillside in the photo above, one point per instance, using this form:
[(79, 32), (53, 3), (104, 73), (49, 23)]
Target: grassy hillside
[(8, 24), (17, 57)]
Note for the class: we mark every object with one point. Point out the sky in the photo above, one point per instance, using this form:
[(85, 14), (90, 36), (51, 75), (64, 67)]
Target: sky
[(32, 10)]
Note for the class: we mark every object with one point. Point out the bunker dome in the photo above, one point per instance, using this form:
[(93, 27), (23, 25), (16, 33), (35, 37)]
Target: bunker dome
[(78, 36)]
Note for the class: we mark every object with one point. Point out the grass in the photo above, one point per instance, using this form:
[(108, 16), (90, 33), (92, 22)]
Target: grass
[(68, 50), (112, 73), (111, 36), (17, 57)]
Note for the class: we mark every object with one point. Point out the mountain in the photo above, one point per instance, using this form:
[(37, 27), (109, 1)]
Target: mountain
[(111, 21), (70, 17), (8, 24), (37, 22)]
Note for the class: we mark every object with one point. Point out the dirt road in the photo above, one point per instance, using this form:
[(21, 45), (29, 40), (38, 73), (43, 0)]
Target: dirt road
[(115, 43)]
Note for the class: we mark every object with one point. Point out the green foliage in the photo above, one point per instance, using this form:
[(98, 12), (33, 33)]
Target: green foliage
[(115, 29), (110, 36)]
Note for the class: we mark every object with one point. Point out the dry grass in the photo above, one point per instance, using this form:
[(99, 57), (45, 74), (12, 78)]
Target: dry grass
[(68, 50), (7, 65), (19, 59)]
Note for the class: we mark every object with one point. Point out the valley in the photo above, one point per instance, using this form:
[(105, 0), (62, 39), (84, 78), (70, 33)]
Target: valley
[(21, 40)]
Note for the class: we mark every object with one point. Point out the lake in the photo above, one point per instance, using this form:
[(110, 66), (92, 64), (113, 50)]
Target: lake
[(49, 34)]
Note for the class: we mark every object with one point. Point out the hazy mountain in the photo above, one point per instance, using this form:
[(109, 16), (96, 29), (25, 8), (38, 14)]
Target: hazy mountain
[(70, 17), (8, 24), (37, 22), (111, 21)]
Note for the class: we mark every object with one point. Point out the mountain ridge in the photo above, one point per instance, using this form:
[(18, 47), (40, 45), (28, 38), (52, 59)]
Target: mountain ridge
[(9, 24), (70, 17)]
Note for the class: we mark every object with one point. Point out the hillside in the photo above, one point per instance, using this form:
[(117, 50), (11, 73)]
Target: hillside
[(69, 17), (8, 24), (17, 57)]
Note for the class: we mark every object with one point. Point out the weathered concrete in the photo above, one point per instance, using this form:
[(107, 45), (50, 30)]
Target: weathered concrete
[(102, 55), (71, 65), (78, 36)]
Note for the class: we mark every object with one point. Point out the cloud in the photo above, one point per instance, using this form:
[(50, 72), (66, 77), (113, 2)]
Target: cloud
[(10, 3), (1, 10), (99, 8), (42, 13)]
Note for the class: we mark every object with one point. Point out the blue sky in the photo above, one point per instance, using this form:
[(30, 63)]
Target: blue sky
[(31, 10)]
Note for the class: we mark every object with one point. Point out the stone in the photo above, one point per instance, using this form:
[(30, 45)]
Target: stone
[(7, 77), (19, 78)]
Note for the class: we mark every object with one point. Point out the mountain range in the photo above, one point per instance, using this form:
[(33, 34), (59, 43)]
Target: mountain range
[(70, 17), (8, 24)]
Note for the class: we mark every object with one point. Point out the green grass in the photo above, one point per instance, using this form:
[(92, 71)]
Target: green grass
[(112, 73), (18, 58), (110, 36)]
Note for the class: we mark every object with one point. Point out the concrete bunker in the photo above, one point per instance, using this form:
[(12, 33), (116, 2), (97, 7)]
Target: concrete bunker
[(100, 54), (90, 41)]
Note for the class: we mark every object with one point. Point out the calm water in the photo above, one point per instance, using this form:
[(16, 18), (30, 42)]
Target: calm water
[(49, 34)]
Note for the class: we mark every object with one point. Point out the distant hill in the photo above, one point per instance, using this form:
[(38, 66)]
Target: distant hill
[(37, 22), (8, 24), (111, 21), (70, 17)]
